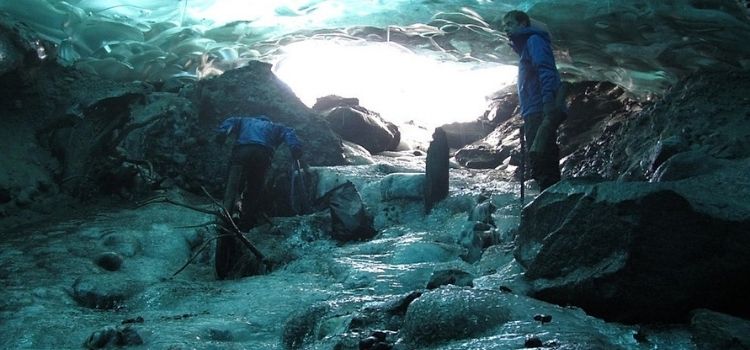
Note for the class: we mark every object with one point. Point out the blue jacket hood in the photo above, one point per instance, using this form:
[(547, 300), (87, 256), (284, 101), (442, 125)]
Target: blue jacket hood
[(519, 38)]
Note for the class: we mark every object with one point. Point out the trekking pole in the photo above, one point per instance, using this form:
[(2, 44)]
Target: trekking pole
[(298, 192), (523, 164)]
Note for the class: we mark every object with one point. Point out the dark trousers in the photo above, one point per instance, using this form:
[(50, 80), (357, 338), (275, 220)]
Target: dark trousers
[(247, 174), (545, 167)]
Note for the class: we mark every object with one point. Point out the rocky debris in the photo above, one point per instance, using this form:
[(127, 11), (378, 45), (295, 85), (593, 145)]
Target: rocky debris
[(109, 261), (346, 324), (110, 336), (532, 342), (480, 232), (301, 325), (682, 241), (166, 146), (713, 330), (591, 107), (503, 105), (475, 238), (707, 111), (86, 148), (22, 47), (665, 149), (355, 154), (251, 90), (10, 55), (254, 89), (43, 102), (102, 293), (450, 277), (376, 341), (687, 164), (430, 317), (91, 137)]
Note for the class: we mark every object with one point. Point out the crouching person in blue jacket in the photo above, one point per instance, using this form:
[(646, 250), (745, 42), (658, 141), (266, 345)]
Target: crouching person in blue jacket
[(255, 140)]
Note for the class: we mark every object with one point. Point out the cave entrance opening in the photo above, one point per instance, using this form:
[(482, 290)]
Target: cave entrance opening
[(406, 87)]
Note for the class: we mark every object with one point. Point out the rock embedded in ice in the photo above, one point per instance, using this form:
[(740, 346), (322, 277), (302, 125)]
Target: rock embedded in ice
[(109, 261)]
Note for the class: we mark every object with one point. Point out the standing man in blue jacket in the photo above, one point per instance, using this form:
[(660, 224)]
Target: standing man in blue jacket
[(539, 95), (256, 139)]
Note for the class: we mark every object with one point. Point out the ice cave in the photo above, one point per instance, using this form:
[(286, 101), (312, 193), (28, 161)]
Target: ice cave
[(368, 174)]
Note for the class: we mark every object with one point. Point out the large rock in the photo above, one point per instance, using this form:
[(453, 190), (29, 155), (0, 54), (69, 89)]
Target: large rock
[(358, 124), (592, 108), (349, 218), (249, 90), (713, 330), (638, 251), (493, 149), (460, 134), (708, 112), (364, 127), (453, 313), (10, 55), (255, 89), (482, 157)]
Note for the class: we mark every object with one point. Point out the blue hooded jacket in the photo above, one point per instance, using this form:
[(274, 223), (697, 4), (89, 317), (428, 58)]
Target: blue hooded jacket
[(538, 78), (259, 130)]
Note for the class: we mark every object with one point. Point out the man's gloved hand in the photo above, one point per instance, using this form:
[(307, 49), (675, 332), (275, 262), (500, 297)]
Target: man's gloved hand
[(546, 135), (553, 113), (550, 109), (296, 152)]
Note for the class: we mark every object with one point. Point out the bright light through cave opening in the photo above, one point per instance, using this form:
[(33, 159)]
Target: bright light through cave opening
[(400, 85)]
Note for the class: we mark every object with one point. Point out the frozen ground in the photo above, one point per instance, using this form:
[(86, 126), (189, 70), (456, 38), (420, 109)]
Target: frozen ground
[(45, 266)]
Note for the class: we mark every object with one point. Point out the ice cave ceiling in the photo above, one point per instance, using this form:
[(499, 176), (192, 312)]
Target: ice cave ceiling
[(643, 45)]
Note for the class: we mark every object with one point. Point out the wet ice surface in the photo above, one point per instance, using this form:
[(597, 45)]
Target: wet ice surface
[(40, 266)]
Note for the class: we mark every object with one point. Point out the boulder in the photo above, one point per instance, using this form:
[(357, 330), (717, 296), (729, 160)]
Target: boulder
[(111, 337), (503, 105), (482, 156), (454, 313), (109, 261), (665, 149), (10, 56), (460, 134), (364, 127), (450, 277), (255, 89), (639, 252), (250, 90), (713, 330), (103, 292), (687, 164), (408, 186), (329, 102), (349, 218)]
